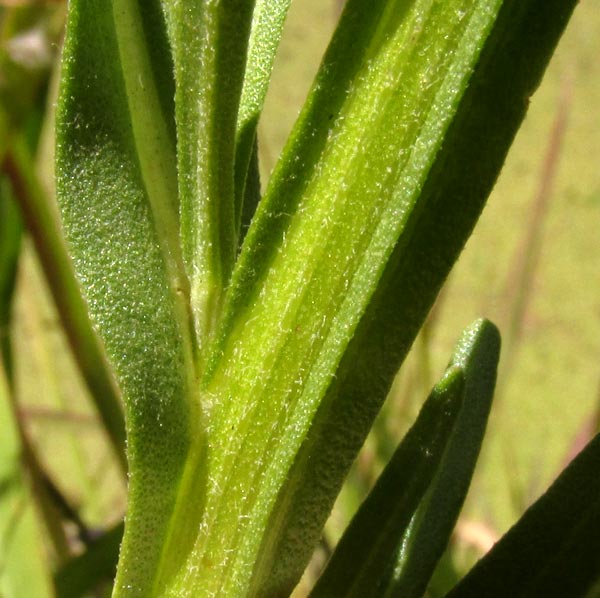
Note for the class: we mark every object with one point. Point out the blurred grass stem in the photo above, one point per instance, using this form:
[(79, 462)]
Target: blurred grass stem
[(52, 253), (527, 257)]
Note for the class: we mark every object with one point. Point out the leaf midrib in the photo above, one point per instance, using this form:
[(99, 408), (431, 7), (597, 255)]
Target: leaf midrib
[(311, 264)]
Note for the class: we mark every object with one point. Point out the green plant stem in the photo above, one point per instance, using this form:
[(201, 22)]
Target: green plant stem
[(44, 229)]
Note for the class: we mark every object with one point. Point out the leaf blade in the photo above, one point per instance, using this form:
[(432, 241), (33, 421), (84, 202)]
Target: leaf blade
[(366, 550), (209, 44), (126, 256), (459, 179), (556, 534), (392, 545), (265, 35), (477, 355)]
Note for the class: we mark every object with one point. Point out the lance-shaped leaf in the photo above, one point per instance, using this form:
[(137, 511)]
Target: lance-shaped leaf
[(477, 355), (209, 42), (381, 183), (117, 188), (265, 35), (554, 549), (367, 549), (393, 543)]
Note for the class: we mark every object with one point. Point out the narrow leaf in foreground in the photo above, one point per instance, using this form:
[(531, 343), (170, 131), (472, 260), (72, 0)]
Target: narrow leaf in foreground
[(554, 549), (265, 35), (477, 355), (378, 189), (367, 549), (209, 41), (117, 189)]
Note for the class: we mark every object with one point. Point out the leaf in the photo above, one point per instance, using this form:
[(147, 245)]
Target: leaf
[(265, 35), (383, 178), (117, 189), (393, 543), (554, 549), (210, 43), (477, 355), (367, 548)]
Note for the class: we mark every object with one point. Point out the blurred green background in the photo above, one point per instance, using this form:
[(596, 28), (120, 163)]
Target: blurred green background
[(531, 267)]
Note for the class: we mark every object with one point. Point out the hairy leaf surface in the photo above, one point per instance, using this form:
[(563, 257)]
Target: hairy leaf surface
[(265, 35), (382, 180), (209, 42), (117, 187), (365, 552)]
